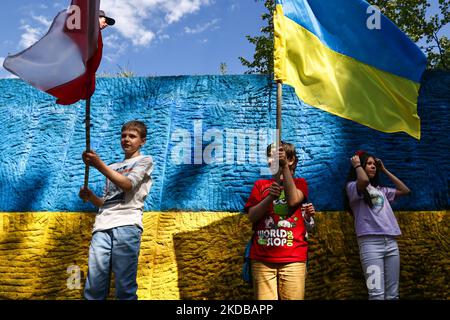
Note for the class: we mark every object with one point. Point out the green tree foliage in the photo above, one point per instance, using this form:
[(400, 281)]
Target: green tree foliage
[(263, 58), (411, 16)]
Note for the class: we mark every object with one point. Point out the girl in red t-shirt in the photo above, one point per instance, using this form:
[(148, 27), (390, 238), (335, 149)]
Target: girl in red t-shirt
[(279, 248)]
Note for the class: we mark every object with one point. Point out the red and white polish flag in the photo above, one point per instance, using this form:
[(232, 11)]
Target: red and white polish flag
[(63, 63)]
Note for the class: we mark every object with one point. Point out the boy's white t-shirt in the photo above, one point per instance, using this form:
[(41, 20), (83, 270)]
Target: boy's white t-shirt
[(126, 208)]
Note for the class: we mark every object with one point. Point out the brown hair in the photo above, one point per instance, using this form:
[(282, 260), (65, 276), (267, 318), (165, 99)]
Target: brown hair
[(139, 126), (289, 148), (352, 176)]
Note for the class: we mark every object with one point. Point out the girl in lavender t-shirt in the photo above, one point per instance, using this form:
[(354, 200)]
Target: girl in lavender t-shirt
[(375, 224)]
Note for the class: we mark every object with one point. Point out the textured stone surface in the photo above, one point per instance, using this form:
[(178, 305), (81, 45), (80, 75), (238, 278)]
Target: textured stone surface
[(198, 255), (41, 169), (186, 255), (335, 269)]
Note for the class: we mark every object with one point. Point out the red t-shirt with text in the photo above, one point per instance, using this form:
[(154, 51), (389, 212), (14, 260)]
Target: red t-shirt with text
[(279, 237)]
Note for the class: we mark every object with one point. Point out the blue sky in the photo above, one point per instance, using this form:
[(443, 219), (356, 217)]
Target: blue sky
[(151, 37), (190, 37)]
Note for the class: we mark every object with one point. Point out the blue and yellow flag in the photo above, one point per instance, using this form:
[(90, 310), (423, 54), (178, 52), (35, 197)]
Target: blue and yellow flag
[(344, 58)]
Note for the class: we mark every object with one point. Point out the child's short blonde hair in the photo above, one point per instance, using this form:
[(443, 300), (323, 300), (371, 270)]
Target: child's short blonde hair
[(139, 126)]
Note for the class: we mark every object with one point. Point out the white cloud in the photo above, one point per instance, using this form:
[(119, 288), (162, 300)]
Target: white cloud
[(46, 23), (30, 36), (3, 72), (114, 48), (33, 33), (140, 20), (201, 28), (176, 9), (163, 37)]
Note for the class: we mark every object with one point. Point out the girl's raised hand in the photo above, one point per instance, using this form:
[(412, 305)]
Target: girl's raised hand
[(380, 165), (355, 160)]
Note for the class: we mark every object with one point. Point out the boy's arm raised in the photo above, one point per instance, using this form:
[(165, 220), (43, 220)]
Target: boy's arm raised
[(294, 196), (92, 159), (362, 180)]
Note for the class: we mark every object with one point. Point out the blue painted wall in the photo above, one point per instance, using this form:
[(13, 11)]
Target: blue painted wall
[(41, 168)]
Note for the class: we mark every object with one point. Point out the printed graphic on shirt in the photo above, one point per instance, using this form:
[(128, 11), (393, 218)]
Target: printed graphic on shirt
[(113, 194), (280, 206), (275, 234), (270, 224), (376, 196)]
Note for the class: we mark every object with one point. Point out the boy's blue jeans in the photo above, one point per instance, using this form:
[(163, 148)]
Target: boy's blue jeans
[(115, 250), (380, 261)]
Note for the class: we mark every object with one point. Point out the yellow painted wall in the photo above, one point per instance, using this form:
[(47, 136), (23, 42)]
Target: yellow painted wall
[(186, 255)]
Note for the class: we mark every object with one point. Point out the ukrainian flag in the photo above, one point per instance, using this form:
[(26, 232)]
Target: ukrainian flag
[(341, 59)]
